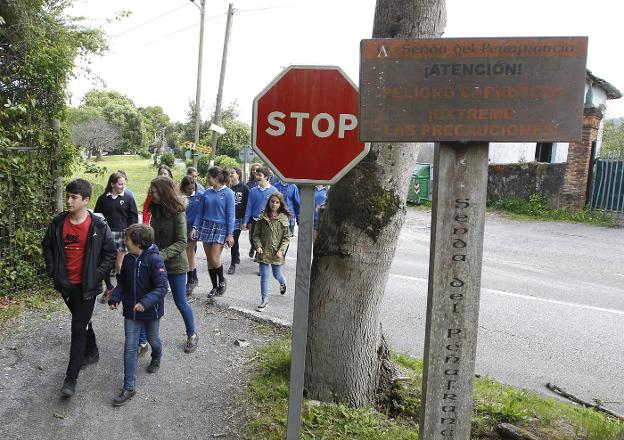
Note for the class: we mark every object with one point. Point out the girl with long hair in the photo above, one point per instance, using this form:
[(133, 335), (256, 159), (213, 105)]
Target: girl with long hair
[(163, 170), (271, 237), (167, 209), (214, 225)]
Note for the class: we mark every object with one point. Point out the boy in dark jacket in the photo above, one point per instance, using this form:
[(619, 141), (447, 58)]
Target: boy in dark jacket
[(141, 287), (79, 251)]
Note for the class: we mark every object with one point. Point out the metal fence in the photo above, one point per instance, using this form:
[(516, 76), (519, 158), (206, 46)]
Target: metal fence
[(26, 206), (608, 182)]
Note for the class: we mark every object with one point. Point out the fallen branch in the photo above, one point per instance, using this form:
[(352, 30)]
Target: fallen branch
[(563, 393), (512, 432)]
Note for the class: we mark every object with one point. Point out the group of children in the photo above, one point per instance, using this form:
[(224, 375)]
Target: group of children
[(81, 249)]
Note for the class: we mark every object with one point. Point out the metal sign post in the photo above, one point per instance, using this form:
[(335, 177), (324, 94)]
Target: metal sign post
[(300, 314), (325, 101), (246, 155), (465, 93)]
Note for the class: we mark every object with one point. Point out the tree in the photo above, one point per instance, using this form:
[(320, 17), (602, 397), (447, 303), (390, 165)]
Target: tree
[(237, 135), (156, 121), (95, 136), (613, 136), (40, 47), (119, 111), (347, 358)]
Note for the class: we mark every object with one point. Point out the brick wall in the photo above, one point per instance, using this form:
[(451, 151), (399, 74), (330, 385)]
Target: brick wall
[(573, 190)]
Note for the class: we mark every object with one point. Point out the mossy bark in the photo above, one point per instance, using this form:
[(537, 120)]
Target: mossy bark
[(347, 358)]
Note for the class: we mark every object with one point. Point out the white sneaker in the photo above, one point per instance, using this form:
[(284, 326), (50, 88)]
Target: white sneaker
[(262, 305)]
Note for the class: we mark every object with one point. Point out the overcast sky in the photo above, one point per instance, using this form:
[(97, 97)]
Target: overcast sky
[(153, 53)]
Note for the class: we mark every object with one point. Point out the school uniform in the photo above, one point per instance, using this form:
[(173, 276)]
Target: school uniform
[(120, 211), (215, 217)]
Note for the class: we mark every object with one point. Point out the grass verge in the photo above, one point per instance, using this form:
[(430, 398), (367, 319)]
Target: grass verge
[(494, 403), (536, 208), (45, 300)]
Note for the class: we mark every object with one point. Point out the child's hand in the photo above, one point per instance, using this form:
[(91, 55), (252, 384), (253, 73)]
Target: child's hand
[(193, 234), (259, 250), (113, 306), (139, 307), (230, 240)]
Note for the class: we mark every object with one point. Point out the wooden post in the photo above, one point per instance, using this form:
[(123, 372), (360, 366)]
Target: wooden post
[(459, 197)]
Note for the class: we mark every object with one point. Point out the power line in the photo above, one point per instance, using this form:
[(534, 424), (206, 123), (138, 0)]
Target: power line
[(150, 20), (181, 30), (262, 9)]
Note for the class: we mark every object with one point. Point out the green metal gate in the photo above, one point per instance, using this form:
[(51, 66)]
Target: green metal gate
[(608, 182)]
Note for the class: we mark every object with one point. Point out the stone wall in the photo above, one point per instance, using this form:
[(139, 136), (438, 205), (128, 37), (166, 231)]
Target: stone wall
[(525, 179)]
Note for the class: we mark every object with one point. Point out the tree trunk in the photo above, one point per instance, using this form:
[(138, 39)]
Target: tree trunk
[(347, 358), (99, 155)]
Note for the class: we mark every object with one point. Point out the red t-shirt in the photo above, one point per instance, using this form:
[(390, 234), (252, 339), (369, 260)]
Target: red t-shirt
[(75, 243)]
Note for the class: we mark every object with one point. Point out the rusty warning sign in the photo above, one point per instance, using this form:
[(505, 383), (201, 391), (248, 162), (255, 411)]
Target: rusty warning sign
[(472, 89)]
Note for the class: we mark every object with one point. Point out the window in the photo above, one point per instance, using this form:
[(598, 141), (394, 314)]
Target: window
[(543, 152)]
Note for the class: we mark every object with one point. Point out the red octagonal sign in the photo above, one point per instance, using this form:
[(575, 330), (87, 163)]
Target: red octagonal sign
[(305, 125)]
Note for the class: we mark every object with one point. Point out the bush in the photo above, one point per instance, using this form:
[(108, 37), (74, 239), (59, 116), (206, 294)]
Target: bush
[(224, 161), (202, 165), (145, 154), (168, 159)]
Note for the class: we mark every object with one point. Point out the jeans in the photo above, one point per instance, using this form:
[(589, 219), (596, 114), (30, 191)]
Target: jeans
[(132, 329), (235, 250), (82, 336), (264, 278), (177, 283)]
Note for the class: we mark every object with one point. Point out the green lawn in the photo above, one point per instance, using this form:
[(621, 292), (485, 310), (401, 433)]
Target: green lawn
[(140, 172)]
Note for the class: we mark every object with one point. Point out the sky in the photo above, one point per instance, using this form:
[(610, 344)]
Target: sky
[(153, 52)]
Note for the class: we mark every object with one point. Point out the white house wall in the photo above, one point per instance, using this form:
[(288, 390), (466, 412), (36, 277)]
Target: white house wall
[(560, 152), (508, 152), (599, 96)]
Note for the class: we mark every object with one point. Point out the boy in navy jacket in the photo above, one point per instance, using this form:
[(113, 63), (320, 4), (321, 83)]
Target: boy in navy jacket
[(141, 287)]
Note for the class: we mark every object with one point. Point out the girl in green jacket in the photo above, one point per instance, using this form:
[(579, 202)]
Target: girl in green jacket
[(271, 236)]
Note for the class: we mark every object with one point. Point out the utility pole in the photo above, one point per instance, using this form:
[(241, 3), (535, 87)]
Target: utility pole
[(217, 113), (202, 10)]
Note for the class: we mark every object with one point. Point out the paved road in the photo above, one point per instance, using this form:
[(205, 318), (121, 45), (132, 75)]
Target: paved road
[(552, 304)]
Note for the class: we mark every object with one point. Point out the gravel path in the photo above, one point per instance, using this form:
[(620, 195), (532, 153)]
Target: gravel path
[(194, 396)]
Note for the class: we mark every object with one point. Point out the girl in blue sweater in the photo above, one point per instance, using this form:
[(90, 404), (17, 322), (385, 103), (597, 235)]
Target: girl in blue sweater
[(214, 225), (190, 189)]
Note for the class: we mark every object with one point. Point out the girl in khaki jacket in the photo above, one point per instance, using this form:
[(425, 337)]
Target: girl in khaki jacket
[(271, 236)]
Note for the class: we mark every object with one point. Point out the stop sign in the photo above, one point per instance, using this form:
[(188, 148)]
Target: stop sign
[(305, 125)]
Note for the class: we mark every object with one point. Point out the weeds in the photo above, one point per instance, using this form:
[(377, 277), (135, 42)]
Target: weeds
[(537, 208)]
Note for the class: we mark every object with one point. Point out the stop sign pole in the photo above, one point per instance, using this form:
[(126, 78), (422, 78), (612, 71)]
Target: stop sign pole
[(305, 126)]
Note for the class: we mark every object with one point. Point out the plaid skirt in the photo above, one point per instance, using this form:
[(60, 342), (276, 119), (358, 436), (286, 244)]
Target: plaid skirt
[(119, 238), (211, 232)]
